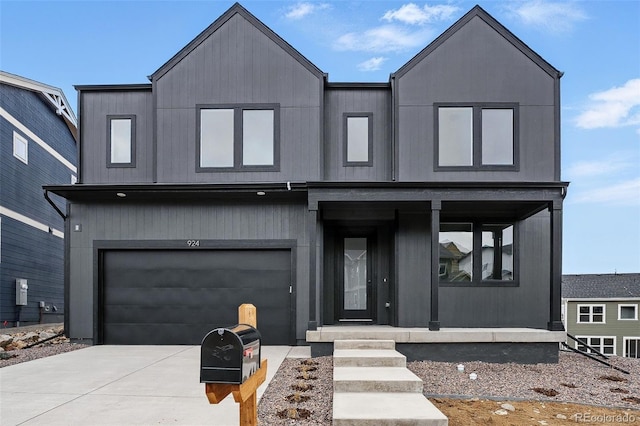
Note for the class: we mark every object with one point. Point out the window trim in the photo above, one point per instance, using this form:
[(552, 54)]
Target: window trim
[(476, 277), (627, 305), (110, 118), (601, 348), (17, 137), (477, 108), (345, 139), (591, 305), (238, 166)]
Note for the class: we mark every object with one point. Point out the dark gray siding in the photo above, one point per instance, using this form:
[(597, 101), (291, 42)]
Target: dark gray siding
[(95, 107), (526, 305), (476, 65), (180, 222), (413, 269), (361, 100), (238, 64)]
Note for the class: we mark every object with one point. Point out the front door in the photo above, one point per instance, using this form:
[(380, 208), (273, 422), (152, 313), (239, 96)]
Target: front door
[(355, 276)]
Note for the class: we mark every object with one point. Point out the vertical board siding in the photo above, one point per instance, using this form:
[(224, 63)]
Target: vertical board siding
[(238, 64), (95, 107), (340, 101), (181, 221), (476, 64), (526, 305)]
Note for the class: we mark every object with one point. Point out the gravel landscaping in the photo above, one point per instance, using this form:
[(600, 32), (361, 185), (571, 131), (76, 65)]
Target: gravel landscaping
[(302, 390)]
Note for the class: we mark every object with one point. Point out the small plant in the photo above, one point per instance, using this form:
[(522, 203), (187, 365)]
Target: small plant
[(633, 399), (5, 355), (302, 386), (306, 368), (294, 413), (306, 376), (308, 361), (297, 397), (546, 392), (569, 385), (613, 378)]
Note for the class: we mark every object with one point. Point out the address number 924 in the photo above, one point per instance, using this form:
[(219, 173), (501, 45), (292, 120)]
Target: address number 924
[(193, 243)]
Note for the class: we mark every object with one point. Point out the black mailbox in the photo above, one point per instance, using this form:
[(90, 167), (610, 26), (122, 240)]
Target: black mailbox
[(230, 355)]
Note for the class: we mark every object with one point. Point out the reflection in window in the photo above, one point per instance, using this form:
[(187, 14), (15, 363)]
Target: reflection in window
[(497, 252), (456, 245), (355, 273), (605, 345), (591, 313)]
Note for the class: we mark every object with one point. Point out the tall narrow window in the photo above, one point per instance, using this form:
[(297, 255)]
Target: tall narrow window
[(20, 148), (358, 139), (237, 137), (497, 136), (455, 136), (121, 137)]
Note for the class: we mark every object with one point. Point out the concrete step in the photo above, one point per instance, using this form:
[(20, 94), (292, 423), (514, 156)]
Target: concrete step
[(385, 409), (364, 344), (368, 358), (375, 379)]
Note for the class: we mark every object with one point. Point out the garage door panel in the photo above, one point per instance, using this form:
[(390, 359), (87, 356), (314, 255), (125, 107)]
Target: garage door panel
[(176, 297)]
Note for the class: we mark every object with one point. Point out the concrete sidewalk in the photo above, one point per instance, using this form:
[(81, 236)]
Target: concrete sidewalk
[(120, 385)]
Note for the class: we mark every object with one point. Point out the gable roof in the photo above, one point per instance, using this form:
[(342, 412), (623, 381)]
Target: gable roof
[(236, 9), (600, 286), (53, 95), (479, 12)]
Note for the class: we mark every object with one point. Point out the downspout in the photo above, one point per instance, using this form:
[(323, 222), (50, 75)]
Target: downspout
[(46, 196), (392, 81)]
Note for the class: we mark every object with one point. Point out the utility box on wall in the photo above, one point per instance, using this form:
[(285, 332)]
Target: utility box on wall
[(21, 291)]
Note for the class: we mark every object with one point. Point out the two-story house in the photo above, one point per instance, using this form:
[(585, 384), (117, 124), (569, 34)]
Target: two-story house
[(601, 310), (241, 174), (38, 146)]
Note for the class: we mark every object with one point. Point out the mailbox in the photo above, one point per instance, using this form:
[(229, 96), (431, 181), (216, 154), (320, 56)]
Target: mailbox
[(230, 355)]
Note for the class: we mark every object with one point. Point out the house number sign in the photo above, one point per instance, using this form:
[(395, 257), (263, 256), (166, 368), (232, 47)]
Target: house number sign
[(193, 243)]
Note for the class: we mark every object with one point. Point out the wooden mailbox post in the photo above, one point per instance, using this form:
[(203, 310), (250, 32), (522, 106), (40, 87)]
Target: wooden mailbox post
[(246, 393)]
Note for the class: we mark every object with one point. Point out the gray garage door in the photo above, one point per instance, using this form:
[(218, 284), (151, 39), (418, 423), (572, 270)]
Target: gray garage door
[(156, 297)]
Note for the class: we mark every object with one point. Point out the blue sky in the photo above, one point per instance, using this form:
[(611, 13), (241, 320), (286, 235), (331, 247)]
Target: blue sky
[(595, 43)]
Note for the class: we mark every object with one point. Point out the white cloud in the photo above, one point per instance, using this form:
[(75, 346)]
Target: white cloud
[(372, 64), (626, 193), (549, 16), (616, 107), (585, 169), (300, 10), (386, 38), (413, 14)]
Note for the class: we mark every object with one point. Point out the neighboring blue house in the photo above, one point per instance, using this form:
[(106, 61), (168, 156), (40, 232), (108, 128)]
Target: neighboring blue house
[(38, 134)]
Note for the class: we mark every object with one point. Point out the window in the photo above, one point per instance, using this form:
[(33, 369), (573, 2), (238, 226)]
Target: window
[(631, 347), (628, 312), (20, 148), (232, 137), (605, 345), (482, 136), (477, 253), (74, 179), (121, 136), (591, 314), (358, 145)]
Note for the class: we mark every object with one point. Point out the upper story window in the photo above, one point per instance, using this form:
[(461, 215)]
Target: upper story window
[(20, 148), (476, 253), (358, 139), (591, 314), (482, 136), (238, 137), (628, 312), (121, 141)]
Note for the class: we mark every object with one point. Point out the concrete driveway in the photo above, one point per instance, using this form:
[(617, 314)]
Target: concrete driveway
[(120, 385)]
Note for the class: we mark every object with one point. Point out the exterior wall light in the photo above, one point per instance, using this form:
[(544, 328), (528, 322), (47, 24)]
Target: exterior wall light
[(121, 194), (261, 193)]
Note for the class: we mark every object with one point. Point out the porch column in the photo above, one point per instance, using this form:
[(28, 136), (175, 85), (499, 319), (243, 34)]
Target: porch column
[(555, 291), (312, 231), (436, 206)]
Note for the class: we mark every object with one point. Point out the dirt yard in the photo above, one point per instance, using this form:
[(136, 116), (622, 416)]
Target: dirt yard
[(519, 413)]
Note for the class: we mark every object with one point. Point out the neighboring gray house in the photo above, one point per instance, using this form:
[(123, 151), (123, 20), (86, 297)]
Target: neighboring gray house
[(38, 147), (240, 173), (602, 311)]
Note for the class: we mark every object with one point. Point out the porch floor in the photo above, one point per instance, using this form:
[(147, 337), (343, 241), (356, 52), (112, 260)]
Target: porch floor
[(331, 333)]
